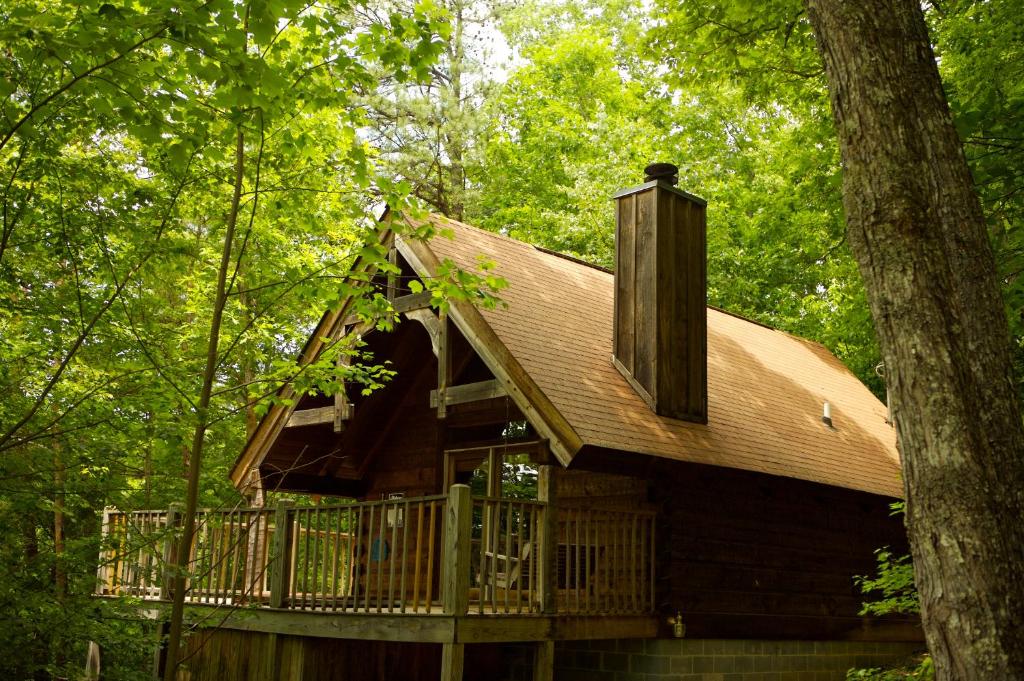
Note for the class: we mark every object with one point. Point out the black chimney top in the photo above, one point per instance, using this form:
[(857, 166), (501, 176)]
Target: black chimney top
[(662, 171)]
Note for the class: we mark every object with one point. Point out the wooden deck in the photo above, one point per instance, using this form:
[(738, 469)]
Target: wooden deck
[(445, 569)]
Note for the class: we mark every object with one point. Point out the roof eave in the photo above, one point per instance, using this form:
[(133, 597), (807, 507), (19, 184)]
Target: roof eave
[(521, 388), (270, 426)]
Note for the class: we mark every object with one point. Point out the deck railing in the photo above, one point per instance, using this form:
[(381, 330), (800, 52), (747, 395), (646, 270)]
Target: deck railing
[(506, 556), (605, 561), (393, 556)]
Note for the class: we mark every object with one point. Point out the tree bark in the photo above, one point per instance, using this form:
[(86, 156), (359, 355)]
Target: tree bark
[(916, 228)]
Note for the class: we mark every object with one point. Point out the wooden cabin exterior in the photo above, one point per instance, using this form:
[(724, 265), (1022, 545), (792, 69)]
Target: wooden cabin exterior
[(602, 479)]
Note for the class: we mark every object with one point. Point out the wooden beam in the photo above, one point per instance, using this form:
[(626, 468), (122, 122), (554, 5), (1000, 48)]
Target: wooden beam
[(444, 367), (544, 661), (431, 323), (453, 657), (400, 305), (498, 628), (469, 392), (531, 447), (392, 291), (500, 410), (342, 409), (413, 301), (318, 416), (426, 628), (402, 628)]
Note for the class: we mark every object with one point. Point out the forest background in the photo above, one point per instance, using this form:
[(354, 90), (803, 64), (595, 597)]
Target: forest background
[(130, 133)]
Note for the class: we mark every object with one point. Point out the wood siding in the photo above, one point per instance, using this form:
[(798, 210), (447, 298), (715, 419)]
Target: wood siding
[(749, 555), (601, 490)]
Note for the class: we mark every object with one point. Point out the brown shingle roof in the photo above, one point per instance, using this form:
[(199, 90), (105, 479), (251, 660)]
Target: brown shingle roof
[(766, 388)]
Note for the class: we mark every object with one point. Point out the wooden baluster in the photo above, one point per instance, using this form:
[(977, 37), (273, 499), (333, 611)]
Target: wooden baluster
[(236, 533), (325, 541), (508, 550), (405, 550), (485, 572), (495, 546), (521, 525), (419, 558), (369, 557), (535, 553), (393, 557), (429, 600), (306, 556), (357, 540), (265, 556), (222, 558), (381, 539), (336, 559)]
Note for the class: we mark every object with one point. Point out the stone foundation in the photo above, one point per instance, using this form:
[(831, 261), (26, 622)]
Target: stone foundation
[(709, 660)]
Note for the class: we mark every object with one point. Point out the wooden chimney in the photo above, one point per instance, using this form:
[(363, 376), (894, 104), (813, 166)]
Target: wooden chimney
[(660, 342)]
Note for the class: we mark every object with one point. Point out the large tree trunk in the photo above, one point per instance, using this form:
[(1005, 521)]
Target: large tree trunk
[(916, 227)]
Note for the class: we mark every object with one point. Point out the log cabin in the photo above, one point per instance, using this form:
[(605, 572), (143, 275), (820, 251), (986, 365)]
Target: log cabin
[(602, 478)]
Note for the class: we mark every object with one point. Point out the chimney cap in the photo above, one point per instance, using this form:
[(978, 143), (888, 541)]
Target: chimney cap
[(668, 172)]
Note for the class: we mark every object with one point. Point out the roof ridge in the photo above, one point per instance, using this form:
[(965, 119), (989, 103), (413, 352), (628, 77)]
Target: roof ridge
[(572, 258), (520, 242), (606, 270)]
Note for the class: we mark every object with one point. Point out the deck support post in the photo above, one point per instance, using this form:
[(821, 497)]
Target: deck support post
[(456, 556), (103, 570), (453, 657), (280, 556), (457, 541), (546, 492), (544, 661), (159, 650), (168, 558)]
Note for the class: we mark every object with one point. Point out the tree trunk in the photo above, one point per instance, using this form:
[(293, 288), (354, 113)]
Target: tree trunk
[(915, 226), (188, 522)]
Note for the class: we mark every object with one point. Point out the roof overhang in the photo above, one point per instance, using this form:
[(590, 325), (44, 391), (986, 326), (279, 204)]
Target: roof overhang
[(548, 422)]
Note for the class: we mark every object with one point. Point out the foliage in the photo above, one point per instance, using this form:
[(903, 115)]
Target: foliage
[(118, 151), (923, 670), (426, 131), (895, 583)]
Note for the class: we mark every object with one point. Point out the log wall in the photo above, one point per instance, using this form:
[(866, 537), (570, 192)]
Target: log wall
[(749, 555)]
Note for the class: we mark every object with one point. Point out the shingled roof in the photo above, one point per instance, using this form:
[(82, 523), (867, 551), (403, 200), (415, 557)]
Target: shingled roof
[(551, 345), (766, 388)]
